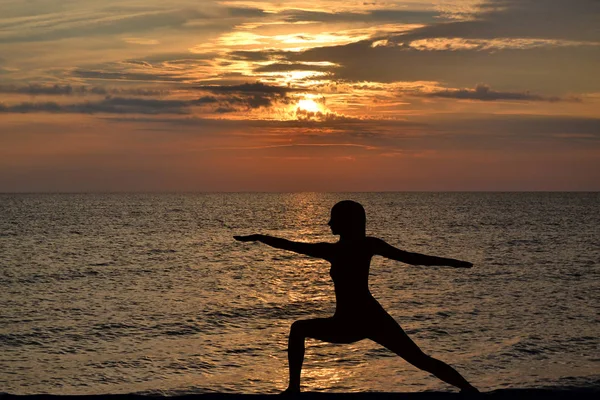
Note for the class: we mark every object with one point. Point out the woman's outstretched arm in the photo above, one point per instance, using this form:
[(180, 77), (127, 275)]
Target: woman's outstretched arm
[(381, 248), (318, 250)]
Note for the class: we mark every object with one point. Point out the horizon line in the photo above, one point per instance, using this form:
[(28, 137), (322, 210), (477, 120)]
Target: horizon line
[(291, 192)]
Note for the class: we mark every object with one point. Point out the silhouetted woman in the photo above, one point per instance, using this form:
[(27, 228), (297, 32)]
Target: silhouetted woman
[(358, 315)]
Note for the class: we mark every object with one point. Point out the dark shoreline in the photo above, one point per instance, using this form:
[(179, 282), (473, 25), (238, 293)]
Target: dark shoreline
[(512, 394)]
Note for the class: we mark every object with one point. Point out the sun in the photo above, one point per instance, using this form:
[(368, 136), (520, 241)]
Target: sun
[(309, 105)]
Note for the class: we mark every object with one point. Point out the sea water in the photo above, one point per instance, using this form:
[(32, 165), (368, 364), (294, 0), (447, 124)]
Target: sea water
[(120, 293)]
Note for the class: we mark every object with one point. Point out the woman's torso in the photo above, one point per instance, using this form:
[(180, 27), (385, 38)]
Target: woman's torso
[(350, 264)]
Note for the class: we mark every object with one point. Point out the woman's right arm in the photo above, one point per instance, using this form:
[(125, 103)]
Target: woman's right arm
[(318, 250)]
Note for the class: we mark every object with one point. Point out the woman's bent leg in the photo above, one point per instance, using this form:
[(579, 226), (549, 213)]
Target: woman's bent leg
[(325, 329), (390, 335)]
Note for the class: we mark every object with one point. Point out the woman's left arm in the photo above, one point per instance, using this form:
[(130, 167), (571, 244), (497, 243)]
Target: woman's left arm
[(381, 248)]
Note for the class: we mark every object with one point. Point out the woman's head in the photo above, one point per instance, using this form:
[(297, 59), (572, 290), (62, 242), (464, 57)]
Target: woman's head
[(348, 218)]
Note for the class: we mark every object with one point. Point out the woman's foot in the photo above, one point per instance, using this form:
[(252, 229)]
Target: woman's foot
[(291, 391), (469, 390)]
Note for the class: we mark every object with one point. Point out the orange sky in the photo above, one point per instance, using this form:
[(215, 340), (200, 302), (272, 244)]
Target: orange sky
[(283, 96)]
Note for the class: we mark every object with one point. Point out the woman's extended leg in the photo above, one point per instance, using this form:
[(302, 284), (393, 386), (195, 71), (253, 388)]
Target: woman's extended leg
[(389, 334), (325, 329)]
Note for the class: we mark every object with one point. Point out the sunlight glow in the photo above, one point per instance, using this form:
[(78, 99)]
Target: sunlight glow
[(308, 105)]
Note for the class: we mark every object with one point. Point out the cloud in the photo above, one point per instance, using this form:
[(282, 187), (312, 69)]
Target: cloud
[(226, 99), (298, 66), (460, 44), (113, 105), (56, 26), (4, 70), (256, 56), (226, 109), (247, 12), (84, 29), (565, 69), (557, 37), (248, 96), (485, 93), (328, 116), (127, 76), (70, 90), (248, 102), (549, 19), (253, 88), (372, 16), (178, 58)]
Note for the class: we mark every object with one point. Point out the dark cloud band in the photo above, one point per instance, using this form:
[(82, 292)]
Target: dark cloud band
[(485, 93)]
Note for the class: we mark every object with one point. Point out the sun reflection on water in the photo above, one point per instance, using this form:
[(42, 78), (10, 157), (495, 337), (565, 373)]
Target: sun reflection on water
[(326, 378)]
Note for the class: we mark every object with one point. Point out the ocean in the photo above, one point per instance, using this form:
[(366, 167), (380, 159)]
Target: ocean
[(150, 293)]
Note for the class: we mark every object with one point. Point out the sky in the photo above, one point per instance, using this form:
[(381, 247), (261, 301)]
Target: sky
[(289, 95)]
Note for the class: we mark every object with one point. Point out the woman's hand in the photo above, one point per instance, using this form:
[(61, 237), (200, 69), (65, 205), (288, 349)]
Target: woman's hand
[(461, 264), (247, 238)]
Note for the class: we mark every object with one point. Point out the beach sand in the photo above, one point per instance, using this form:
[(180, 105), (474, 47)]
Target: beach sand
[(512, 394)]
